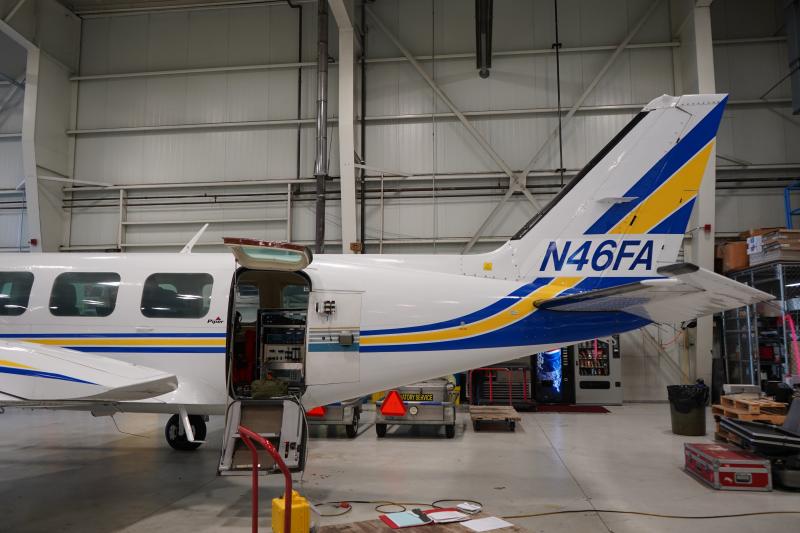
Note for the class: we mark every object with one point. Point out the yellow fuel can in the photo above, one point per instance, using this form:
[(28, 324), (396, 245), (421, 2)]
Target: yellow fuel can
[(301, 514)]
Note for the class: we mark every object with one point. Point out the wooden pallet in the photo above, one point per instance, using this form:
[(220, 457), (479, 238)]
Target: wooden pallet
[(744, 414), (726, 436), (493, 414), (753, 405)]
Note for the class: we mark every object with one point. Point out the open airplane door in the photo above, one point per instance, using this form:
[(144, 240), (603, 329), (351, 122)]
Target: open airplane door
[(269, 255), (280, 420), (334, 319)]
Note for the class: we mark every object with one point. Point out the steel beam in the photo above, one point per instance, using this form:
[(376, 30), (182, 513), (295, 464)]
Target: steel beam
[(29, 168), (699, 45), (16, 36), (347, 171), (373, 60), (198, 6), (396, 118), (10, 94), (592, 84), (441, 94), (578, 103), (14, 10)]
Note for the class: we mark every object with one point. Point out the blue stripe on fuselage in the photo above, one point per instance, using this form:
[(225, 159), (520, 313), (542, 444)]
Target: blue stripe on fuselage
[(41, 374), (541, 327)]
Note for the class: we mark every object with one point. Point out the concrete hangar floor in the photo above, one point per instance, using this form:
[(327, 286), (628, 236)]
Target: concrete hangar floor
[(69, 472)]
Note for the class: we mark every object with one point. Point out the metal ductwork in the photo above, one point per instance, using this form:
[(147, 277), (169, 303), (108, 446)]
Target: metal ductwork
[(483, 36), (321, 158)]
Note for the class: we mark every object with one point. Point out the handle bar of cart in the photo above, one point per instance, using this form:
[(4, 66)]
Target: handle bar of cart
[(248, 436)]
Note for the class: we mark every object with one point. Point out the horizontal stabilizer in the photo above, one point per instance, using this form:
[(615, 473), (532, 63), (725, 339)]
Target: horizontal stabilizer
[(686, 292), (32, 374)]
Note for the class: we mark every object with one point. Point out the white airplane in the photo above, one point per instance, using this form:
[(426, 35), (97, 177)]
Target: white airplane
[(184, 333)]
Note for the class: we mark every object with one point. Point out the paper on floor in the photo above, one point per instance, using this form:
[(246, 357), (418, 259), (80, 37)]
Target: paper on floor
[(469, 507), (487, 524), (442, 517)]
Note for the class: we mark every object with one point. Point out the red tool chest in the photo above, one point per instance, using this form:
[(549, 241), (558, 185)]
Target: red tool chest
[(727, 468)]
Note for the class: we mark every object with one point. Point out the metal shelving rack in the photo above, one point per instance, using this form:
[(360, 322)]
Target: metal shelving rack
[(756, 340)]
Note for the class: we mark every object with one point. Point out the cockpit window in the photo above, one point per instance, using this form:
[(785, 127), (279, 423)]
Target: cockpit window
[(172, 295), (15, 291), (84, 294)]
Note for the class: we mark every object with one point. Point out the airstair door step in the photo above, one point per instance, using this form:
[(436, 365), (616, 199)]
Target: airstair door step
[(280, 421)]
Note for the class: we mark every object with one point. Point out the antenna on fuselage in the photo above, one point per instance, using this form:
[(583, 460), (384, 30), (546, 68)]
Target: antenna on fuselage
[(189, 245)]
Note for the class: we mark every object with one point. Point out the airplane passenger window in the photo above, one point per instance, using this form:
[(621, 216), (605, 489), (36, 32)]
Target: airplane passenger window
[(84, 294), (176, 295), (15, 291)]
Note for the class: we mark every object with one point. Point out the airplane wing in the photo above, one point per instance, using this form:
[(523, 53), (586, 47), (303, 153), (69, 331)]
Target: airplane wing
[(48, 376), (686, 292)]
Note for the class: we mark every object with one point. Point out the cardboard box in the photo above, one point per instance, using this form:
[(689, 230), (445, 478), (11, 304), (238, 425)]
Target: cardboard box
[(755, 232), (755, 245), (734, 256)]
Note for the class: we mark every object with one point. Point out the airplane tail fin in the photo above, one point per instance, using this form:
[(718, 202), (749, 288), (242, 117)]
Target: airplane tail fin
[(625, 214)]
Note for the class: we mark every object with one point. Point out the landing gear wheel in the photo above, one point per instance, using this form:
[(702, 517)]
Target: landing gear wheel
[(176, 437), (352, 429), (380, 429), (450, 431), (512, 426), (476, 425)]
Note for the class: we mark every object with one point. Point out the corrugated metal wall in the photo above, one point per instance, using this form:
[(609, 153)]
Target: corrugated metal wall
[(759, 135), (12, 219), (408, 130)]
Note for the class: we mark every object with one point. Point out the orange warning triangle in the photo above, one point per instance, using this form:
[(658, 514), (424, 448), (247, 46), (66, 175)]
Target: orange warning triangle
[(393, 405), (317, 411)]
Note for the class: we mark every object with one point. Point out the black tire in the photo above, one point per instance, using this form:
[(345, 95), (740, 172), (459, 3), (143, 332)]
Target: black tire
[(380, 429), (476, 425), (450, 431), (512, 425), (352, 429), (178, 440)]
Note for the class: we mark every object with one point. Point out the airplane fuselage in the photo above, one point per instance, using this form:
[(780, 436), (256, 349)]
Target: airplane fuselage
[(412, 317)]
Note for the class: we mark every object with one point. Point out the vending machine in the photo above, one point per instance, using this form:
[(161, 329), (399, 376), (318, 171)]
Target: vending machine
[(553, 377), (586, 373), (598, 371)]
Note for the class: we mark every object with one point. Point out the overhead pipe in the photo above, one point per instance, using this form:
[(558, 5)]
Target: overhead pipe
[(321, 158), (483, 36), (363, 126), (299, 8)]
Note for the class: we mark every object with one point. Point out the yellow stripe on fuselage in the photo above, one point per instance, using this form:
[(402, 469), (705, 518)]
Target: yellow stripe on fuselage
[(676, 191), (12, 364), (517, 311), (129, 342)]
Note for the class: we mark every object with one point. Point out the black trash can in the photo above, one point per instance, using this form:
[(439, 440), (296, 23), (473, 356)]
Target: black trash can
[(687, 406)]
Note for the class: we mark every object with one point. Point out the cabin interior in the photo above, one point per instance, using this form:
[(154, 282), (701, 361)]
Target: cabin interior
[(268, 349)]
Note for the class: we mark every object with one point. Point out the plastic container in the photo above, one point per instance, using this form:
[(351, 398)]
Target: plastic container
[(301, 514), (687, 406)]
